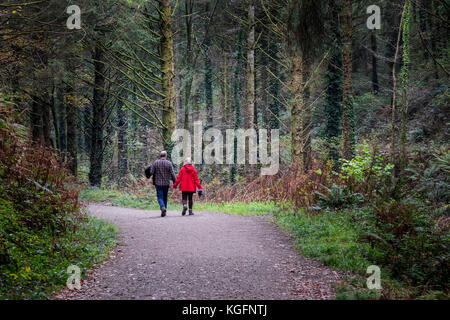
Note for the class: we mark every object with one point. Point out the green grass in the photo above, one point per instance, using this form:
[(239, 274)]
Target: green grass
[(336, 239), (332, 238), (93, 194), (148, 202), (40, 267), (119, 198), (329, 237), (251, 208)]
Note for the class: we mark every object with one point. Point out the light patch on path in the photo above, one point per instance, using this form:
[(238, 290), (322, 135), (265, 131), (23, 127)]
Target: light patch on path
[(205, 256)]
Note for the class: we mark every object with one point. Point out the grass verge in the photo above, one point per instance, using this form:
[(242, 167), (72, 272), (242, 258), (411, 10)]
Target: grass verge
[(147, 201), (339, 240), (41, 267)]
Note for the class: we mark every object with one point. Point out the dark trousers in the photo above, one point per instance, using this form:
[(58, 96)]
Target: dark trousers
[(161, 194), (187, 196)]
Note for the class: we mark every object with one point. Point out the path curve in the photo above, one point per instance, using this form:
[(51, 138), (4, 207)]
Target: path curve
[(206, 256)]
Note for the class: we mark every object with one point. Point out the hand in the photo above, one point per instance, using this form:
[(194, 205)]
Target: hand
[(200, 192)]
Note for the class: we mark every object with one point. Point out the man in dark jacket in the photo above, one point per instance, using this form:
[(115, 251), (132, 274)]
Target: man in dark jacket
[(162, 172)]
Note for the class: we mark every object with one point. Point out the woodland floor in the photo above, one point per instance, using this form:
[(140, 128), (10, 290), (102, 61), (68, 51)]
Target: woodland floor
[(206, 256)]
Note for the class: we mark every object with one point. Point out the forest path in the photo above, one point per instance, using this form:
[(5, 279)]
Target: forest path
[(205, 256)]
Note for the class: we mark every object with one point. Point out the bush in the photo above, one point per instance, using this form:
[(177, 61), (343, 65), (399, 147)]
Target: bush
[(367, 173), (288, 185), (42, 230), (337, 197), (429, 180), (414, 246), (33, 179), (40, 260)]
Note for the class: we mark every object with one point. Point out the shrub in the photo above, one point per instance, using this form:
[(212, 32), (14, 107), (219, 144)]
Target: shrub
[(288, 185), (429, 180), (367, 173), (337, 197), (414, 246), (34, 178), (38, 205)]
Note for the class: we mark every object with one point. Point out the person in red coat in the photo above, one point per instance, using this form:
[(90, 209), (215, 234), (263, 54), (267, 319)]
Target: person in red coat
[(189, 183)]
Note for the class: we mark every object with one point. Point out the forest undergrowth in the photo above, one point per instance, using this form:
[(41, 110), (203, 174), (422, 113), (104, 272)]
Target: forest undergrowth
[(43, 229)]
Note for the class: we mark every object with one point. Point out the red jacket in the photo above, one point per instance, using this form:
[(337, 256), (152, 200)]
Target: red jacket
[(188, 179)]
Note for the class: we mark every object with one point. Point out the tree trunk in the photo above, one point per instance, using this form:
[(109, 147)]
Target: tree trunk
[(167, 69), (394, 97), (333, 91), (307, 123), (55, 118), (250, 107), (274, 107), (404, 74), (122, 143), (347, 86), (46, 123), (393, 18), (98, 118), (71, 123), (424, 21), (189, 7), (434, 38), (208, 75), (224, 90), (62, 119), (36, 121), (87, 115), (208, 91), (236, 99), (263, 84), (373, 41), (195, 107), (297, 109)]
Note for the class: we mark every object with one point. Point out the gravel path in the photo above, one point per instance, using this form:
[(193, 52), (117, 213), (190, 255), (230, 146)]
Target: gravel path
[(205, 256)]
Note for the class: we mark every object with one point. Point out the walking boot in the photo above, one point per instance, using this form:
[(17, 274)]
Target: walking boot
[(190, 212), (163, 212), (184, 209)]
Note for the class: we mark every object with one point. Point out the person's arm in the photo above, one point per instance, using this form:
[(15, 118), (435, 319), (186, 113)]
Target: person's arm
[(172, 172), (197, 181), (152, 169), (180, 176)]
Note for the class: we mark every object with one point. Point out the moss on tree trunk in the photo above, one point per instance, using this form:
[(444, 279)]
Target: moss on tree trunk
[(167, 69), (347, 86)]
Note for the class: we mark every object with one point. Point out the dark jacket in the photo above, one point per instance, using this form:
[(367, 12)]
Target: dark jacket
[(188, 179), (162, 172)]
